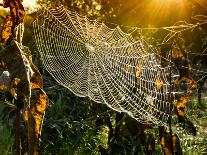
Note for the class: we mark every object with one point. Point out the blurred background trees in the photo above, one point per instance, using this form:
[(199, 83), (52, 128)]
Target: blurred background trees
[(76, 125)]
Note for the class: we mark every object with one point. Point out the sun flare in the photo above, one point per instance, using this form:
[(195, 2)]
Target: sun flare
[(155, 12), (30, 3)]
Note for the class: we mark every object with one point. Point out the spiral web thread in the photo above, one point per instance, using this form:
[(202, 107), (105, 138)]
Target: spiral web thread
[(107, 65)]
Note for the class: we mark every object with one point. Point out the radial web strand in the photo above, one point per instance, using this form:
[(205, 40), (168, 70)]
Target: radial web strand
[(105, 64)]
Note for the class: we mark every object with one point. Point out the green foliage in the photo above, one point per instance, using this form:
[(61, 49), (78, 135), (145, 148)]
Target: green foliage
[(195, 145), (70, 123), (6, 140)]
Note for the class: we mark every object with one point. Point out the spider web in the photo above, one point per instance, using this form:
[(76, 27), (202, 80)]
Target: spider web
[(107, 65)]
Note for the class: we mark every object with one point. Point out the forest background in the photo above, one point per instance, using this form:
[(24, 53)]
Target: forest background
[(76, 125)]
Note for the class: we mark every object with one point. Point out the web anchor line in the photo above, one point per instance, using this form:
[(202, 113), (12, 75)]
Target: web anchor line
[(170, 115), (107, 65)]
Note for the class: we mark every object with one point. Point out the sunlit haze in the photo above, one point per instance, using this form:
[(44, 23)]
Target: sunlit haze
[(156, 12), (29, 3)]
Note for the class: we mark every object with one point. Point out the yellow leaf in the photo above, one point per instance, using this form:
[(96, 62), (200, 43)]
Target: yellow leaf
[(139, 70), (176, 53), (35, 85), (7, 28), (40, 103), (129, 50), (189, 67), (162, 142), (127, 67), (16, 81), (25, 116), (175, 102), (181, 105), (158, 83), (3, 87), (13, 91), (176, 82)]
